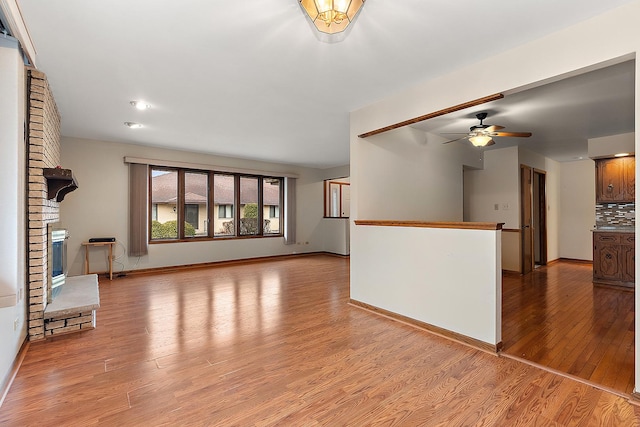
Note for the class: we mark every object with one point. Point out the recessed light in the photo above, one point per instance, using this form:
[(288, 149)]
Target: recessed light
[(621, 154), (140, 105), (133, 125)]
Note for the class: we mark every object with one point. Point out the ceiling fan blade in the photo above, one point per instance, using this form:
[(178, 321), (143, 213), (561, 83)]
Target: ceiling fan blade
[(490, 143), (454, 140), (516, 134), (493, 128)]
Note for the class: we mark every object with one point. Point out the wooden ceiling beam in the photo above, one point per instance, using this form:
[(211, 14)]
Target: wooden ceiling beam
[(448, 110)]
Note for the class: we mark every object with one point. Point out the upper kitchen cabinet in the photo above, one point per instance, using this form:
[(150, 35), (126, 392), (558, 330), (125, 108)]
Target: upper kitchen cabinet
[(615, 180)]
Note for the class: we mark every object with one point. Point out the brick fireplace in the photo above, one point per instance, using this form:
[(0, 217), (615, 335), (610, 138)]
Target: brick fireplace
[(43, 134)]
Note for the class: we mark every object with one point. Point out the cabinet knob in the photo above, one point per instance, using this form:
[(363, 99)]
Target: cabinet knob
[(608, 256), (610, 187)]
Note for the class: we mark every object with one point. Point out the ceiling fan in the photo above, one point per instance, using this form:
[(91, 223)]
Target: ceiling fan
[(482, 135)]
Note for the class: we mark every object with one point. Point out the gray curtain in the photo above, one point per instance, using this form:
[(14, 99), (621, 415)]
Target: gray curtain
[(138, 209), (290, 211)]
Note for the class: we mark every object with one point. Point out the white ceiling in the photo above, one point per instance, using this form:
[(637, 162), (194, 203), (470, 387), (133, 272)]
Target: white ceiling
[(250, 78), (562, 115)]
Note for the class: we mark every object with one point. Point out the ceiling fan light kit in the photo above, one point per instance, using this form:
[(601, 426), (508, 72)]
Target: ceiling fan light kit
[(480, 140), (481, 135)]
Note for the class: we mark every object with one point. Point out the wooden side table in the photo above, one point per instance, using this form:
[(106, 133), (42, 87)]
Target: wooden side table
[(87, 245)]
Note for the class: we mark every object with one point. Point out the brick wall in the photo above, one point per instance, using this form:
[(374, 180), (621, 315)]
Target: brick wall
[(43, 152), (70, 323)]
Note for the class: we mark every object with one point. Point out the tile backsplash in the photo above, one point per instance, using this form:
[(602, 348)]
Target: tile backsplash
[(615, 214)]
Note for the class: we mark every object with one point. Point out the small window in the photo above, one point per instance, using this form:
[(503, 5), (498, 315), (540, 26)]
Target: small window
[(337, 198), (225, 211), (191, 215)]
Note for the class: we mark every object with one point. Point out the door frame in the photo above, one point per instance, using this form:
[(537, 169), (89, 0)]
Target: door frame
[(527, 258), (533, 198), (540, 232)]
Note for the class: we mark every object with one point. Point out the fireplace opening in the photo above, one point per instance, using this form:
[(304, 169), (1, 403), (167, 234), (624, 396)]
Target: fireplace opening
[(56, 260)]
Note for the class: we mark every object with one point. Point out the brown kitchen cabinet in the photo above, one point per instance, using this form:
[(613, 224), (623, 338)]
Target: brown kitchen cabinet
[(614, 259), (615, 180)]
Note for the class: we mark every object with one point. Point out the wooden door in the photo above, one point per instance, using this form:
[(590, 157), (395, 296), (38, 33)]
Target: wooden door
[(526, 202)]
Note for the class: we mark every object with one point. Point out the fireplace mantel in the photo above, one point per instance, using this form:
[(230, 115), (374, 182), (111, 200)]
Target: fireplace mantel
[(59, 183)]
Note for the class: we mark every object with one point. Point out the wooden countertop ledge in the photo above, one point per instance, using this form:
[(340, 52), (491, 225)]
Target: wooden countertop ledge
[(425, 224)]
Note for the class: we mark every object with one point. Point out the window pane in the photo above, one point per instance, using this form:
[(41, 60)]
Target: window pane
[(195, 204), (223, 200), (164, 194), (248, 206), (271, 188)]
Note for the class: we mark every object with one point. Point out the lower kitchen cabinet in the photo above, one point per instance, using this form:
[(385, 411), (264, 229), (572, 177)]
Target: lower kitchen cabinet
[(614, 259)]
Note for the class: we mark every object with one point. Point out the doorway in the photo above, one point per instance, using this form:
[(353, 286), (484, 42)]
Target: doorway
[(533, 218)]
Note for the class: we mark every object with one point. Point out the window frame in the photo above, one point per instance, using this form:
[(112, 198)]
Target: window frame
[(211, 207), (328, 203)]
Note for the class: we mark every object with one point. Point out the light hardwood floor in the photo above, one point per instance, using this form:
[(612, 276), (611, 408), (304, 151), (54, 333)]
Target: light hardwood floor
[(555, 317), (275, 343)]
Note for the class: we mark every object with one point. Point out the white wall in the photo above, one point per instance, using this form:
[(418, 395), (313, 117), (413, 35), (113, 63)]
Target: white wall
[(418, 275), (12, 188), (554, 208), (492, 194), (336, 232), (498, 183), (577, 209), (99, 207), (409, 165), (605, 39), (609, 146)]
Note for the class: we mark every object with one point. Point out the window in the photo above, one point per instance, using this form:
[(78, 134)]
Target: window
[(196, 196), (188, 204), (191, 216), (271, 194), (337, 198), (225, 211), (224, 198), (249, 213), (164, 195)]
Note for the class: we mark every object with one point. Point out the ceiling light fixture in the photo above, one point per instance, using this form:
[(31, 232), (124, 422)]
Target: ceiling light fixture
[(621, 155), (480, 140), (133, 125), (332, 16), (140, 105)]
